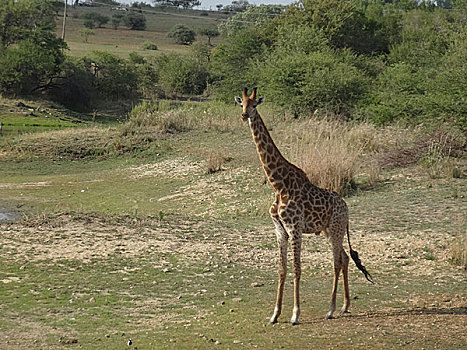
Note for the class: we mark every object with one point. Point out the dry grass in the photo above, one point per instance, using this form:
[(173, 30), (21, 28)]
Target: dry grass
[(214, 162), (330, 151), (430, 149), (459, 251)]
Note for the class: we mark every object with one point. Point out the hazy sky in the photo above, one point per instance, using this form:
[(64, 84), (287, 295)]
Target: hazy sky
[(206, 4)]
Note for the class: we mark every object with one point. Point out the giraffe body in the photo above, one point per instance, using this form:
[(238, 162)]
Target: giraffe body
[(299, 208)]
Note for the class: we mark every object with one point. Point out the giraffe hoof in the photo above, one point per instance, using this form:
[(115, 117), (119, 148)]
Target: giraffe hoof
[(294, 323), (329, 317), (344, 312), (272, 322)]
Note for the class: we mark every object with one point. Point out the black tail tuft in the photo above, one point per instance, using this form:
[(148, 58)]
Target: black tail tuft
[(356, 259)]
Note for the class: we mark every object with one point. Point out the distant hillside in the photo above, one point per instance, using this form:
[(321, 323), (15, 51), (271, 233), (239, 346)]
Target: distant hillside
[(122, 40)]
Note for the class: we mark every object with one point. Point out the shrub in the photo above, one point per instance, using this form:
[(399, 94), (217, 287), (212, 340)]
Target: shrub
[(148, 78), (85, 33), (116, 78), (182, 34), (75, 86), (319, 80), (182, 75), (136, 58), (149, 45)]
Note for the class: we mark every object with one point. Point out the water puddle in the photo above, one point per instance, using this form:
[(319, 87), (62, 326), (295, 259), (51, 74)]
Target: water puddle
[(8, 214)]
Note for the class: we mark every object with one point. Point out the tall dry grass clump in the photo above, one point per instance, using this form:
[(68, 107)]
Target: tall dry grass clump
[(329, 151), (459, 251), (163, 117)]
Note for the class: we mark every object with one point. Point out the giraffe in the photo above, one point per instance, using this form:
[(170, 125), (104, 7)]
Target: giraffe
[(299, 207)]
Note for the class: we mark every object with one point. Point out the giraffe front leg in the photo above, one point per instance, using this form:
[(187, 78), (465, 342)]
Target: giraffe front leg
[(296, 250), (282, 238)]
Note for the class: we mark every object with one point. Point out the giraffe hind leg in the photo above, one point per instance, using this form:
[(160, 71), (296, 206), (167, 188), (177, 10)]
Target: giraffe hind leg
[(345, 282), (341, 262)]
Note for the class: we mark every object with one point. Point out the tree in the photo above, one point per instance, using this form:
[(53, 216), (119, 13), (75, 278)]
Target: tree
[(260, 16), (186, 4), (96, 19), (116, 20), (86, 33), (346, 23), (89, 24), (237, 6), (182, 34), (210, 32), (30, 66), (19, 19), (30, 53), (135, 21)]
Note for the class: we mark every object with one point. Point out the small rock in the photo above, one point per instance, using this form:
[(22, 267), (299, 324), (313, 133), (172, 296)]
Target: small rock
[(217, 342), (236, 341), (231, 310), (237, 299), (220, 303), (256, 284), (166, 269), (129, 342), (107, 335)]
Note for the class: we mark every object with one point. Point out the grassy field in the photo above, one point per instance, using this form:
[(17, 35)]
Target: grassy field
[(127, 233), (123, 40)]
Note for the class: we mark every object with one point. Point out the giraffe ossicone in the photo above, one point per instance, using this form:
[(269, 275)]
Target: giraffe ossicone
[(299, 207)]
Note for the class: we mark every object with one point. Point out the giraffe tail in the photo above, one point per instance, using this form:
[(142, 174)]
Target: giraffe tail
[(356, 259)]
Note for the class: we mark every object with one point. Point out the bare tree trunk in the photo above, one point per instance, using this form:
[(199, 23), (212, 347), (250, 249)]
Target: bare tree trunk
[(64, 21)]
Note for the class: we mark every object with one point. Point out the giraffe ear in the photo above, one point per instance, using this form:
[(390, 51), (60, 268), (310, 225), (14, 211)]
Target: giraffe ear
[(260, 100), (238, 100)]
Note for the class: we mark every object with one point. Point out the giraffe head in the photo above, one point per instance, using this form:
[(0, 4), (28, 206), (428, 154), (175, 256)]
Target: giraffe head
[(249, 103)]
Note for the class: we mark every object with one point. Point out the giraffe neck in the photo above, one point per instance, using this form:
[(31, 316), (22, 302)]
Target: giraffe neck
[(270, 156)]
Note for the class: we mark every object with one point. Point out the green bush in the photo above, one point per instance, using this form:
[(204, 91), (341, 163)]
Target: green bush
[(75, 88), (115, 77), (148, 78), (232, 64), (306, 82), (149, 45), (397, 94), (181, 74)]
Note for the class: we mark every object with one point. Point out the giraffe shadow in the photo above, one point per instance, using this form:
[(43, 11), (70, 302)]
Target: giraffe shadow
[(419, 311)]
